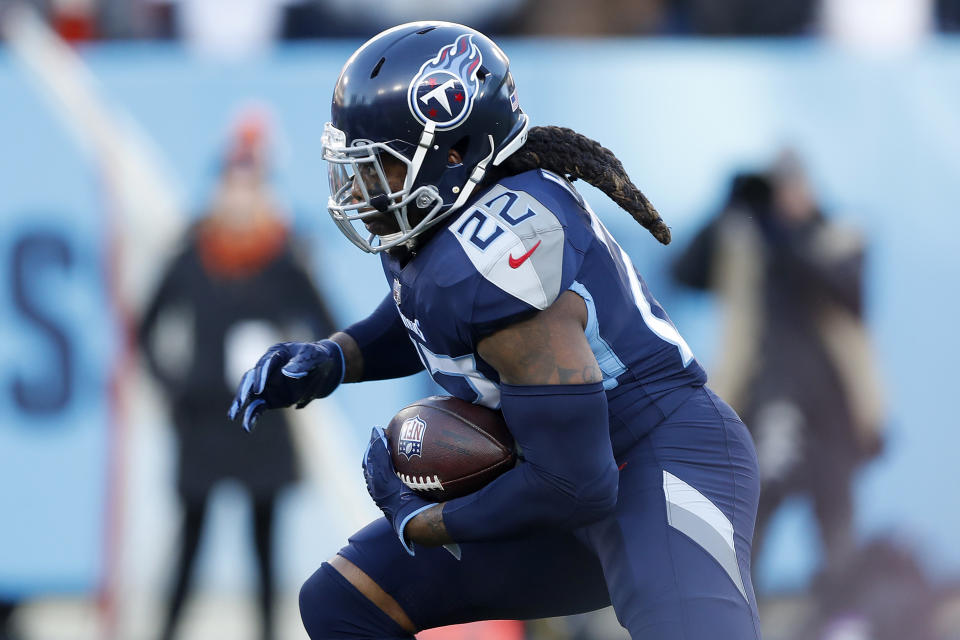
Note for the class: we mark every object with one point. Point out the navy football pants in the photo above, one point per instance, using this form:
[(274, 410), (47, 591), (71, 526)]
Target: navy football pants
[(674, 559)]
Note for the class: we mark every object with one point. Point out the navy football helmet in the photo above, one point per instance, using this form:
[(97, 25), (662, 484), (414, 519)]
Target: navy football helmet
[(412, 93)]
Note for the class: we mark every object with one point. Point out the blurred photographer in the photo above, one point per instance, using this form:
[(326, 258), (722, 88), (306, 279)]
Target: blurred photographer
[(795, 359)]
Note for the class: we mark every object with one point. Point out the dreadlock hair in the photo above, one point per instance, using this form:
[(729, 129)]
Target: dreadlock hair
[(573, 155)]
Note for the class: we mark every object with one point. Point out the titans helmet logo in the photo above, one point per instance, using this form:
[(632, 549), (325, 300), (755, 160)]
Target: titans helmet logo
[(444, 89)]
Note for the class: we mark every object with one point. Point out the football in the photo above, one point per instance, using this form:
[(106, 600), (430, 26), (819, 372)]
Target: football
[(444, 447)]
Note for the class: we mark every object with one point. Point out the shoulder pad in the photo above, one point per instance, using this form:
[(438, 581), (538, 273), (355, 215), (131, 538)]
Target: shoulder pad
[(514, 242)]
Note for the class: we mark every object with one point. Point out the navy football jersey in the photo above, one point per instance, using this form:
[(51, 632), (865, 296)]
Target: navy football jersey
[(511, 253)]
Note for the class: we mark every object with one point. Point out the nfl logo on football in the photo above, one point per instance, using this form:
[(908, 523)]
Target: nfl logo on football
[(410, 442)]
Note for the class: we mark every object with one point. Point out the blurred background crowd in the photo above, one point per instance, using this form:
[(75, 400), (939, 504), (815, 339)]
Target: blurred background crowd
[(162, 221), (234, 26)]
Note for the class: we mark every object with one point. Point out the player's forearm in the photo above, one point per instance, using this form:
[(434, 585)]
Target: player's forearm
[(352, 356), (378, 347), (568, 478), (427, 528)]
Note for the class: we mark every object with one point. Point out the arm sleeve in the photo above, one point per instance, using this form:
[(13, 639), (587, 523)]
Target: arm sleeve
[(385, 344), (567, 477)]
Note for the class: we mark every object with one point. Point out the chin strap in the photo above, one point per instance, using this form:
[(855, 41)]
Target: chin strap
[(481, 169), (388, 238), (475, 177), (426, 140)]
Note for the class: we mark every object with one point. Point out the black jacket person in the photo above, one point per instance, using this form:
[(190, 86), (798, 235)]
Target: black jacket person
[(794, 357), (234, 286)]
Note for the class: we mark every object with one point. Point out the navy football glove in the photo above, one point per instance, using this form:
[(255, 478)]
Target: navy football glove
[(398, 503), (288, 373)]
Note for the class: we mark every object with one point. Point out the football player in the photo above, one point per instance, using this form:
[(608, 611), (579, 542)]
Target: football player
[(637, 485)]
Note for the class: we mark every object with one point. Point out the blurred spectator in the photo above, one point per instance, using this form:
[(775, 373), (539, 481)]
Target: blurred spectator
[(744, 17), (235, 287), (339, 18), (74, 20), (795, 358), (237, 28), (577, 18)]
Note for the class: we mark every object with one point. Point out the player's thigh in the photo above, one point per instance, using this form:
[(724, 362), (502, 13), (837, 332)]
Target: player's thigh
[(677, 553), (536, 577)]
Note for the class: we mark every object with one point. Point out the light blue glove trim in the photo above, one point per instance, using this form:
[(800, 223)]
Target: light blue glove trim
[(383, 437), (265, 372), (403, 525), (249, 424), (343, 366), (246, 384)]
